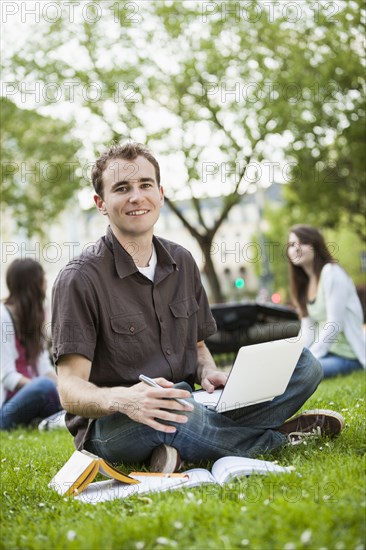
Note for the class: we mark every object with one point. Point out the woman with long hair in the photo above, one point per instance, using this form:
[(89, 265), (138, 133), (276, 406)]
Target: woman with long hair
[(28, 390), (326, 298)]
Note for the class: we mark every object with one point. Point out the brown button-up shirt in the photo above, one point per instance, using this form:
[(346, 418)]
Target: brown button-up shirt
[(125, 324)]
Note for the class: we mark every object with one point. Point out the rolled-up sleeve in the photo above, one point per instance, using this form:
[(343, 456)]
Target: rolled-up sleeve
[(74, 315)]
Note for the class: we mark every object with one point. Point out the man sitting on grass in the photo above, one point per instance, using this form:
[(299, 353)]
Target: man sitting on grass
[(134, 303)]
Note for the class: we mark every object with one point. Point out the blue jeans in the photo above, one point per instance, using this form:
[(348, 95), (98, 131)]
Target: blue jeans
[(37, 399), (209, 435), (335, 364)]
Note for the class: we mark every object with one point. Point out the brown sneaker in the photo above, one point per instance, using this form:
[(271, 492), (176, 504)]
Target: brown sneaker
[(316, 423), (165, 459)]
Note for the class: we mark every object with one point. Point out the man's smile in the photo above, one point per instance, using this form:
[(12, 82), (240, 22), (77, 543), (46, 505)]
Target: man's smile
[(137, 212)]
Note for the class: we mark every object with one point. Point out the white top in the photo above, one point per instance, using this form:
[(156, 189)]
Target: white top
[(343, 315), (9, 376), (149, 271)]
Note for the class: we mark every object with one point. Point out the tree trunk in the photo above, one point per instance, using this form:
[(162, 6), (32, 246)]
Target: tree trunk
[(210, 272)]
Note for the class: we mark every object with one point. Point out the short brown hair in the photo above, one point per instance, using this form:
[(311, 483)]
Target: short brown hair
[(128, 151)]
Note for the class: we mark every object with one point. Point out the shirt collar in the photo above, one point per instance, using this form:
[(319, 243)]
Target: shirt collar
[(125, 265), (166, 263)]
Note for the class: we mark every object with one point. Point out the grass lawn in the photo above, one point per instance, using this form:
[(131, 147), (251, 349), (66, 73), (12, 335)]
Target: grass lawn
[(323, 508)]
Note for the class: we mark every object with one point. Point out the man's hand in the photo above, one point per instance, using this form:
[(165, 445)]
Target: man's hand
[(140, 402), (213, 379), (149, 405), (207, 374)]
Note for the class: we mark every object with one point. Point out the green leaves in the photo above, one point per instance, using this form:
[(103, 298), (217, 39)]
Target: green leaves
[(39, 167), (215, 82)]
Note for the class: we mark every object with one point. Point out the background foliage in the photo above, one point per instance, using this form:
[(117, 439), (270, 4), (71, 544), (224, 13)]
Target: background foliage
[(38, 168), (222, 89)]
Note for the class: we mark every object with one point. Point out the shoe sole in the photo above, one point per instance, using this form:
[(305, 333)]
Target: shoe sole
[(165, 460)]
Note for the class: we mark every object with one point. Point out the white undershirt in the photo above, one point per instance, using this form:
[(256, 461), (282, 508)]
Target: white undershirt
[(149, 271)]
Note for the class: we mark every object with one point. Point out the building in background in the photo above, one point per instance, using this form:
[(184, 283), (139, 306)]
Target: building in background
[(238, 250)]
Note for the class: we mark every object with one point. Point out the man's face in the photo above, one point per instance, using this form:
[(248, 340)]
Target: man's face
[(131, 197)]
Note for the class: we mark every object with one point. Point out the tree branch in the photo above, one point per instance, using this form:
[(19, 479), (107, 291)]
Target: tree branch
[(186, 224)]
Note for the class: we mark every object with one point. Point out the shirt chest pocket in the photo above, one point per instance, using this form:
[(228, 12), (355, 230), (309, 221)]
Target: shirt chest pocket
[(185, 322), (128, 341), (183, 309), (128, 326)]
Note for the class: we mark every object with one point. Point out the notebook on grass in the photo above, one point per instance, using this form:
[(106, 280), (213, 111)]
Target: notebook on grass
[(260, 373)]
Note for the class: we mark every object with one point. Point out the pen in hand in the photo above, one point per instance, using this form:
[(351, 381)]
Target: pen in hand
[(153, 384)]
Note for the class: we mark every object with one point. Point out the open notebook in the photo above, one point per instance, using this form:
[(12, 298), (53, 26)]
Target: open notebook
[(260, 373), (224, 470)]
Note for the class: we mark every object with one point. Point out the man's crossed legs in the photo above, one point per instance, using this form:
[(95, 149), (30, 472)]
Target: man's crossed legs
[(208, 435)]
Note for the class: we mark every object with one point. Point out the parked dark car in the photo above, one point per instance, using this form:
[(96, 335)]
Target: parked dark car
[(245, 323)]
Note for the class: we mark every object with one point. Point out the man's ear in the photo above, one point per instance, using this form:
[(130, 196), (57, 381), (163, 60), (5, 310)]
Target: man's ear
[(161, 189), (99, 202)]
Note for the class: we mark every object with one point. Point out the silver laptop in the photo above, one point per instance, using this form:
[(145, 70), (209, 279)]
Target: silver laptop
[(260, 373)]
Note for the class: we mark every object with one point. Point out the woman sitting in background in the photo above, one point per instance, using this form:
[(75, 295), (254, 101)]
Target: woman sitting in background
[(327, 301), (28, 389)]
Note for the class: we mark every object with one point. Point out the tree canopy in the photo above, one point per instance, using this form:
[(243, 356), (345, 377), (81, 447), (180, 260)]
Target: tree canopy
[(38, 168), (236, 93)]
